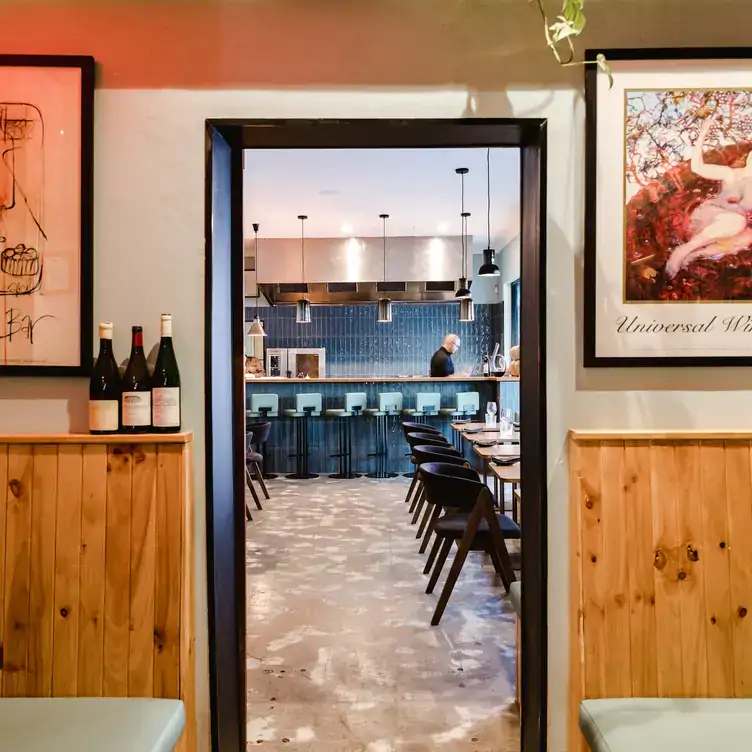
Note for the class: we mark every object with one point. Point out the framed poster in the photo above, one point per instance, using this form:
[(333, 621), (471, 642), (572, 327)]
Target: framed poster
[(46, 281), (668, 227)]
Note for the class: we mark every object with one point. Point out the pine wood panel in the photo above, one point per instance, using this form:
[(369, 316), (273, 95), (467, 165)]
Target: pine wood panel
[(661, 566), (96, 570)]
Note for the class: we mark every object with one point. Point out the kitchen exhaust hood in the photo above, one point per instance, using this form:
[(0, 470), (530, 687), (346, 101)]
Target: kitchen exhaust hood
[(348, 293)]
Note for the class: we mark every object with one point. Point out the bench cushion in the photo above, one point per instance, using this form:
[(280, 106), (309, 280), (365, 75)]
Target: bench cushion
[(653, 725)]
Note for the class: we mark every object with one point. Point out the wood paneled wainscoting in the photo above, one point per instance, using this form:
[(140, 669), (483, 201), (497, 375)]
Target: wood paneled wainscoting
[(96, 568), (660, 566)]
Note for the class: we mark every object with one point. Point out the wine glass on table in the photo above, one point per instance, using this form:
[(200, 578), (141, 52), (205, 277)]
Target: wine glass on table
[(490, 414)]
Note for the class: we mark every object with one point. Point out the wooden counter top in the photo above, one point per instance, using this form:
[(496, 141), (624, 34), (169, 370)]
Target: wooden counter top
[(87, 438), (379, 379)]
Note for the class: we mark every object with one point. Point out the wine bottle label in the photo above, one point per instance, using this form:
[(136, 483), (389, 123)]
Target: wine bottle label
[(166, 407), (103, 415), (136, 408)]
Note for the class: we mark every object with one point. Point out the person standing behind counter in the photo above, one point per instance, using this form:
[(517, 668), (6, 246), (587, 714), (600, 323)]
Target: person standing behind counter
[(441, 362)]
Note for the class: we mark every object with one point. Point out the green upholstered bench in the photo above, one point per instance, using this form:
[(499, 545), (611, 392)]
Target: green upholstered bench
[(657, 725)]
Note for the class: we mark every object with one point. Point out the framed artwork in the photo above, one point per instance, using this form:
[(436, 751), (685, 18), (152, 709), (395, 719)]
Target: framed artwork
[(46, 279), (668, 226)]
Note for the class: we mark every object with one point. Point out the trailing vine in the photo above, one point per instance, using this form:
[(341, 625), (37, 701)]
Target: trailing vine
[(570, 23)]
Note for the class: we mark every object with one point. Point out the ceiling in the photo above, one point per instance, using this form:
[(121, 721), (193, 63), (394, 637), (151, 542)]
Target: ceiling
[(343, 192)]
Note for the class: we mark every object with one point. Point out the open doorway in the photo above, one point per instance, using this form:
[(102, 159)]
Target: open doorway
[(226, 343)]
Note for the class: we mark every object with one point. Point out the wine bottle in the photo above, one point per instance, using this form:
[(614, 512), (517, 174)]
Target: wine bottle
[(165, 384), (136, 401), (104, 387)]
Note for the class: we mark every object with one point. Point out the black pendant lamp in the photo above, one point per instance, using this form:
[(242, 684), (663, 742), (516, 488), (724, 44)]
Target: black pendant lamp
[(384, 306), (463, 288), (303, 306), (489, 268), (257, 328)]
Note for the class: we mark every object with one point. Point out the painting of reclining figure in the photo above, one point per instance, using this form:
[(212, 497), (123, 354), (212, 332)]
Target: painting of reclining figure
[(45, 215)]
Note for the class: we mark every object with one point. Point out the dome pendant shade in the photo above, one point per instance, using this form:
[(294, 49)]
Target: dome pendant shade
[(463, 289), (303, 311), (467, 310), (384, 311), (489, 268)]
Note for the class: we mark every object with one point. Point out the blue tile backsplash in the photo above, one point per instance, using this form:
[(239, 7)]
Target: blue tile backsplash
[(358, 345)]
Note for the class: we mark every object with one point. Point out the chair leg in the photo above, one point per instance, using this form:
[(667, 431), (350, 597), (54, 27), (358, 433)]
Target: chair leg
[(499, 544), (424, 520), (419, 508), (248, 517), (412, 487), (249, 483), (260, 478), (429, 530), (416, 497), (462, 551), (432, 555), (445, 549)]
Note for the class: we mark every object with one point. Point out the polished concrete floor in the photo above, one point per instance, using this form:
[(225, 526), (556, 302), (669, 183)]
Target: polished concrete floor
[(340, 652)]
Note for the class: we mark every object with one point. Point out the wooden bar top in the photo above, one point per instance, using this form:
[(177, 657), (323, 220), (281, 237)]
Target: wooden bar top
[(87, 438), (377, 379)]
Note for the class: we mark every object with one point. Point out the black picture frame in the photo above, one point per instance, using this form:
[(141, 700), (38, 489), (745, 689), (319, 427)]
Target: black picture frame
[(225, 386), (86, 65), (591, 359)]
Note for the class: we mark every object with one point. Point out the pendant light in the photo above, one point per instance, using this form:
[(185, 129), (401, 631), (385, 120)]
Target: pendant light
[(384, 306), (257, 328), (489, 268), (463, 288), (303, 306), (467, 310)]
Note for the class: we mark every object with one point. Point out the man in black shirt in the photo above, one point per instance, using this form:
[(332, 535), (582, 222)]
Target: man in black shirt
[(441, 362)]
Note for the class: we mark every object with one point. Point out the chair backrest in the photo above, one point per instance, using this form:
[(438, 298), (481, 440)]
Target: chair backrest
[(355, 402), (267, 404), (411, 427), (424, 453), (308, 402), (450, 486), (449, 449), (428, 402), (468, 402), (426, 438), (390, 402), (260, 431)]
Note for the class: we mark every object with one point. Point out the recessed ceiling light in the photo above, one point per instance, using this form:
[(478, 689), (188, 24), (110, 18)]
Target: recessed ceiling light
[(347, 229), (442, 228)]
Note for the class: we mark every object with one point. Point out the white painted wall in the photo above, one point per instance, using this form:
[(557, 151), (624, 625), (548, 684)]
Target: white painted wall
[(149, 235)]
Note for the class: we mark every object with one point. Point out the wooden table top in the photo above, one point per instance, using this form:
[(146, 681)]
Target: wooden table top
[(497, 450), (506, 473), (501, 438), (462, 426)]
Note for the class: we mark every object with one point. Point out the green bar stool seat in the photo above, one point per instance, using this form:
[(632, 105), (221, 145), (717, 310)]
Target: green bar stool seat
[(426, 404), (307, 406), (390, 406), (263, 407), (355, 406)]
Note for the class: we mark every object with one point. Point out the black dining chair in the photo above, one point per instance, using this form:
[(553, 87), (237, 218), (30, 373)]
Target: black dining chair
[(471, 521), (253, 460), (430, 453), (428, 438), (411, 427)]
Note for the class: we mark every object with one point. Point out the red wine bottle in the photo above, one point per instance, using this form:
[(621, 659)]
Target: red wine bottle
[(104, 387), (136, 401), (165, 384)]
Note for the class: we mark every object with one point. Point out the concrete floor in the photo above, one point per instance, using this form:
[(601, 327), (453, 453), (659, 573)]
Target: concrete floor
[(340, 652)]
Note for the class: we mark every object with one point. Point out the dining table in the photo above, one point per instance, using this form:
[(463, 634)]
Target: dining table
[(503, 474)]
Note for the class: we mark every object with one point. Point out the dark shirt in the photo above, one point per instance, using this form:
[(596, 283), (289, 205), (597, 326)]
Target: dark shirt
[(441, 363)]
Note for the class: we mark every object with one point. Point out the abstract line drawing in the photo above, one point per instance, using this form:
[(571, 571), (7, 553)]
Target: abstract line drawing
[(21, 198)]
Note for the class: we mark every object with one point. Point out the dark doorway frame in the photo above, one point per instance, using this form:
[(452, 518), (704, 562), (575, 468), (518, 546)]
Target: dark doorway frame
[(224, 325)]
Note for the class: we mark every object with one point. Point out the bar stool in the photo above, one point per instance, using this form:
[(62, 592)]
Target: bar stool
[(466, 405), (426, 404), (390, 404), (307, 406), (263, 407), (355, 405)]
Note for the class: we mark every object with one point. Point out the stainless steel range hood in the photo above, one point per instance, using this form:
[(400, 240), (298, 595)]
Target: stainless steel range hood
[(347, 293)]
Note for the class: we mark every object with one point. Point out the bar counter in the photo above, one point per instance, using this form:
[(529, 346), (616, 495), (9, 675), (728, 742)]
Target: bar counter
[(323, 434)]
